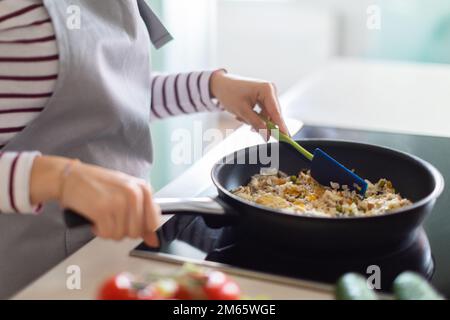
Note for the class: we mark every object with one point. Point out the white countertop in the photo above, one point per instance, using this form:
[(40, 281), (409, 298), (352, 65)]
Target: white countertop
[(347, 93), (375, 95)]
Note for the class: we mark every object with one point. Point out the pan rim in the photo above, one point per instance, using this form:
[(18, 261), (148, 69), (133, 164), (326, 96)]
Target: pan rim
[(437, 190)]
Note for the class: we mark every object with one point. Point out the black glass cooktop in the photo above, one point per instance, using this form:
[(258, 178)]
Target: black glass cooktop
[(185, 237)]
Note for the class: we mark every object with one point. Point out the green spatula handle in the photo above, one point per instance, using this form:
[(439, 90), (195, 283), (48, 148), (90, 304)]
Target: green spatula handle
[(280, 136)]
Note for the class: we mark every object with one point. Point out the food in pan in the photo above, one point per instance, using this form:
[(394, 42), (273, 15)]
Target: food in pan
[(303, 195)]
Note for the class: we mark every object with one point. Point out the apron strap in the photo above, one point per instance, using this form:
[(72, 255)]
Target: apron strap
[(158, 32)]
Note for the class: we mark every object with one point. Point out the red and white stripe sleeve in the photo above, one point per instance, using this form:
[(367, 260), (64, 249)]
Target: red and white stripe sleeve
[(182, 93), (15, 172)]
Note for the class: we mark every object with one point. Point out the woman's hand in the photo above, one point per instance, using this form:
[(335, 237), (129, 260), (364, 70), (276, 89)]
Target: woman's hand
[(118, 205), (240, 96)]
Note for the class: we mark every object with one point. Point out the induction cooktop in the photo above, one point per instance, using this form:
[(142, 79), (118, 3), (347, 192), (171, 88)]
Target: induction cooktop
[(188, 238)]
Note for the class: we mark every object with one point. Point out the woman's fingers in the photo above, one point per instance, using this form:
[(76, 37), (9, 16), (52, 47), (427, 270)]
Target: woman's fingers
[(135, 210), (251, 117), (118, 205), (151, 239), (104, 227), (152, 217), (240, 119), (268, 101), (271, 107), (120, 223), (239, 96), (152, 212)]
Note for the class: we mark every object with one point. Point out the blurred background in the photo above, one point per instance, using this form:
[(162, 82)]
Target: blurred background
[(284, 41)]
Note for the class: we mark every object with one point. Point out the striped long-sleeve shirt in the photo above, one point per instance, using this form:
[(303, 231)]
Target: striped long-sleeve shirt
[(28, 74)]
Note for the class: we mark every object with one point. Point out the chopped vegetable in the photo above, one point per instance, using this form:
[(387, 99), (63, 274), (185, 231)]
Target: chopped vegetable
[(353, 286), (412, 286), (407, 286), (192, 283), (199, 284)]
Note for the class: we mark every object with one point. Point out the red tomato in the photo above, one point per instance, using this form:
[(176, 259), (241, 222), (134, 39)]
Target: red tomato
[(190, 286), (119, 287), (123, 287), (219, 287), (182, 294)]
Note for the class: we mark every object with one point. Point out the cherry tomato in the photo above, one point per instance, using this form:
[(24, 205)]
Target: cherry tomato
[(182, 294), (124, 287), (219, 287), (119, 287), (190, 285)]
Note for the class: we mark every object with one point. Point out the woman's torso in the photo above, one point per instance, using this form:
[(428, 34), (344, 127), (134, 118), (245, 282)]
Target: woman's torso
[(98, 112)]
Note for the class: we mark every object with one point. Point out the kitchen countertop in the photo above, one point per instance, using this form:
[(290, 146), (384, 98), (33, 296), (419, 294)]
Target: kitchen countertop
[(374, 95), (328, 98)]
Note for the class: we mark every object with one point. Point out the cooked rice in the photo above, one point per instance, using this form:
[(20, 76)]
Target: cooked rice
[(303, 195)]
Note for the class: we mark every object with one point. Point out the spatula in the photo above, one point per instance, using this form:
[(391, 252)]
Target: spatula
[(324, 169)]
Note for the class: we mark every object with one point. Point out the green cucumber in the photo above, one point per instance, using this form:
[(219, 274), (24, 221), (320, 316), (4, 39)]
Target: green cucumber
[(353, 286), (412, 286)]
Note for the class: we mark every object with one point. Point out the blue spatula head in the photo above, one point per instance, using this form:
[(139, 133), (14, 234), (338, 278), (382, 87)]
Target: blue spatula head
[(325, 170)]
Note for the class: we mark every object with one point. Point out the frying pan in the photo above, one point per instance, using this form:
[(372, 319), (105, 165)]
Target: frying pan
[(414, 178)]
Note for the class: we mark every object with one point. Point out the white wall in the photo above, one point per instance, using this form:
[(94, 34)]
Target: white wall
[(190, 23), (280, 41), (353, 34)]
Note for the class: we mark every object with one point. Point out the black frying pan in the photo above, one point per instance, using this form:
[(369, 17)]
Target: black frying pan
[(414, 178)]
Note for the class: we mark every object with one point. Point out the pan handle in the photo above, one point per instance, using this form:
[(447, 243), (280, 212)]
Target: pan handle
[(215, 212), (203, 206)]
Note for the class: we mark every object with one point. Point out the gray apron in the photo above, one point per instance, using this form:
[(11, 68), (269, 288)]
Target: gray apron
[(99, 113)]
